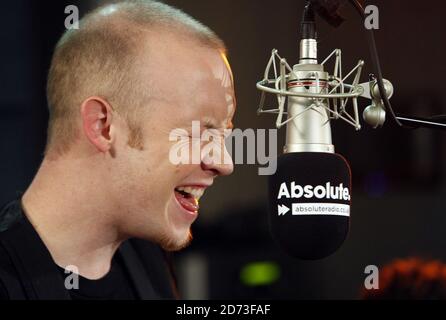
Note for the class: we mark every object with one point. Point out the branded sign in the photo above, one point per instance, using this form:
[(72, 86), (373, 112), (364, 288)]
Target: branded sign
[(319, 192), (296, 191)]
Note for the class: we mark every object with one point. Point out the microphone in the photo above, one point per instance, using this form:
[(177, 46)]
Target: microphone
[(311, 181), (309, 203), (310, 193)]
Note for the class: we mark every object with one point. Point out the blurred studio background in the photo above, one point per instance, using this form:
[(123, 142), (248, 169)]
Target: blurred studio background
[(399, 184)]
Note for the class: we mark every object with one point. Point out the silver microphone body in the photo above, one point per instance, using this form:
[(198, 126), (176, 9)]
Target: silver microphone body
[(310, 130)]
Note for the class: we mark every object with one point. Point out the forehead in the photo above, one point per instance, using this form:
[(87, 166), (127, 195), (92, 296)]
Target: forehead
[(196, 79)]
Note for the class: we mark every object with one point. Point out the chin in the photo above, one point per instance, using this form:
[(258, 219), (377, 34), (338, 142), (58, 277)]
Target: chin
[(175, 243)]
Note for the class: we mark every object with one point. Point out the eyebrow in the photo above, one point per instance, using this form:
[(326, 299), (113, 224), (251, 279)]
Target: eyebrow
[(210, 123)]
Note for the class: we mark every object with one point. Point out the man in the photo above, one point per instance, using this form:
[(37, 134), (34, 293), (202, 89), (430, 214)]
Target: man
[(118, 87)]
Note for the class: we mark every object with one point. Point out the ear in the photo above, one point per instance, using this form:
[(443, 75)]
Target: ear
[(97, 116)]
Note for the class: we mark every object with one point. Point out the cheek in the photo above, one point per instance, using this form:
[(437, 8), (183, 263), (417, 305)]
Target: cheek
[(150, 174)]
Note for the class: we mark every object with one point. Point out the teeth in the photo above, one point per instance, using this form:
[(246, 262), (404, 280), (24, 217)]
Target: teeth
[(197, 193)]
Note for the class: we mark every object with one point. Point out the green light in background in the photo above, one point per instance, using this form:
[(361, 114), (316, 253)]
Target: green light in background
[(260, 273)]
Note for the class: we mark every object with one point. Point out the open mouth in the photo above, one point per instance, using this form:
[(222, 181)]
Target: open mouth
[(188, 197)]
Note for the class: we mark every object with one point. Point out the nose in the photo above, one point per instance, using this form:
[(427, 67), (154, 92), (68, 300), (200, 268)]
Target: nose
[(219, 161)]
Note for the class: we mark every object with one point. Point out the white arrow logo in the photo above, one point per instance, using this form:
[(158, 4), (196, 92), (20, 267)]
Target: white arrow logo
[(282, 209)]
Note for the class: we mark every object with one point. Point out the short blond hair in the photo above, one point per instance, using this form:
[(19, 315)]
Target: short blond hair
[(101, 59)]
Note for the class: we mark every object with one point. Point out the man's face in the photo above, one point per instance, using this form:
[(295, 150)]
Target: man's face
[(159, 199)]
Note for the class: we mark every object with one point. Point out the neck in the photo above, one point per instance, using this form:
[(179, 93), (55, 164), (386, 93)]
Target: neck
[(70, 212)]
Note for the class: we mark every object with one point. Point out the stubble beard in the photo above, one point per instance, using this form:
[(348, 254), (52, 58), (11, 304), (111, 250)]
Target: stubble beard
[(169, 244)]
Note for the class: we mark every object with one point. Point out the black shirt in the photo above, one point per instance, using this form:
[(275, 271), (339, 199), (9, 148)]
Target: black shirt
[(115, 285), (140, 269)]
